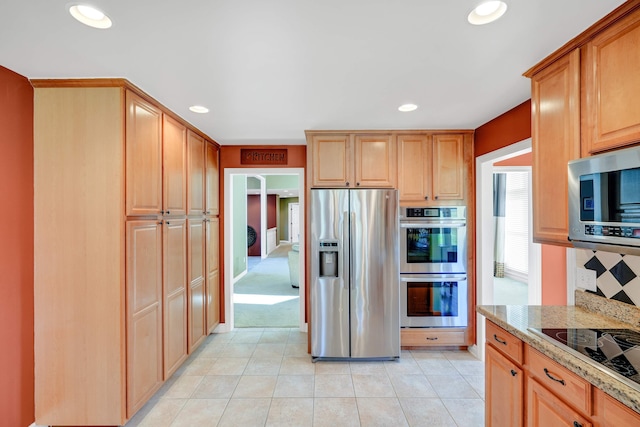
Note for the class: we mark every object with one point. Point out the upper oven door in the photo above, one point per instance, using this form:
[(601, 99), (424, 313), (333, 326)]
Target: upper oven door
[(433, 247)]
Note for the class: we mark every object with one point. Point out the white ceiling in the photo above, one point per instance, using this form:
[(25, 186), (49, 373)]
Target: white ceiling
[(269, 69)]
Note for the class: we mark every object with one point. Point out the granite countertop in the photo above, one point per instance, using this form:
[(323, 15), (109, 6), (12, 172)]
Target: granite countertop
[(589, 312)]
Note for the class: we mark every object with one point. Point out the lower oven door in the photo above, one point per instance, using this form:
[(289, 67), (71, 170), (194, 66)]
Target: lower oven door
[(430, 300)]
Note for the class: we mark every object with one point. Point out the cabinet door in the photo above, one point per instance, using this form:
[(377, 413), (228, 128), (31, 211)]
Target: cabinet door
[(544, 409), (144, 312), (174, 143), (612, 87), (196, 173), (175, 294), (612, 413), (332, 161), (143, 157), (448, 167), (414, 168), (196, 279), (375, 161), (555, 95), (213, 180), (504, 391), (213, 288)]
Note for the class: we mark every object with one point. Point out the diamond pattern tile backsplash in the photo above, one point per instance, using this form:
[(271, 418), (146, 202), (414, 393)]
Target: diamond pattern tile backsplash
[(617, 275)]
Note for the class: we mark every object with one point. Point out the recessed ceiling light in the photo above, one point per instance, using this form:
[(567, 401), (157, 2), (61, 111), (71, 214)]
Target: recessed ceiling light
[(199, 109), (90, 16), (487, 12), (407, 107)]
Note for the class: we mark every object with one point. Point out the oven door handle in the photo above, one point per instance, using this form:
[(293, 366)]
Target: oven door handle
[(433, 224), (435, 278)]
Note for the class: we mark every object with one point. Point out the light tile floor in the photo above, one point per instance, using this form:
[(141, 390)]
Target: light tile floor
[(265, 377)]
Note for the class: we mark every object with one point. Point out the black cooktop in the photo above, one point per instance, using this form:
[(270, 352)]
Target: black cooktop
[(616, 350)]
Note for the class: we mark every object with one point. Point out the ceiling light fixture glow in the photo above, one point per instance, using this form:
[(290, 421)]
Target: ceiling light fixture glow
[(407, 107), (90, 16), (199, 109), (487, 12)]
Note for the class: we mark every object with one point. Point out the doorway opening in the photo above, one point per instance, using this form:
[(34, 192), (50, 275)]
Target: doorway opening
[(486, 288), (263, 286)]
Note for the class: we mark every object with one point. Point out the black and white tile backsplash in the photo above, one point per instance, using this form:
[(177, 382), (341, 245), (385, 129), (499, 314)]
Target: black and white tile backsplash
[(617, 275)]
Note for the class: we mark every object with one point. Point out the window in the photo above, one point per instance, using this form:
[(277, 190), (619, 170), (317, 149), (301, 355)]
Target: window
[(517, 226)]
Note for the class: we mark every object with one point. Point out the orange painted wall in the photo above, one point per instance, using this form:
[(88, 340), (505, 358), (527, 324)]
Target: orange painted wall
[(16, 251), (230, 158), (506, 129)]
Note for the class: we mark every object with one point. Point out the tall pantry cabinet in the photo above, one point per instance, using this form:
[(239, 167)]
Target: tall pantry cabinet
[(114, 250)]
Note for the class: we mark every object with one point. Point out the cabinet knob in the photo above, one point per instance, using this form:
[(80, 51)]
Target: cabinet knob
[(513, 373), (358, 184), (168, 223), (347, 183), (162, 212), (426, 197), (168, 213), (436, 197), (160, 223)]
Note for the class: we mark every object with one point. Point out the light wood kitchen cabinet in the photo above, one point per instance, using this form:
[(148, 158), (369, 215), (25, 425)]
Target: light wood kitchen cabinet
[(111, 280), (213, 275), (612, 87), (611, 413), (375, 161), (174, 294), (212, 201), (195, 174), (352, 160), (196, 280), (431, 169), (504, 383), (426, 337), (555, 139), (174, 162), (143, 156), (544, 409), (144, 312)]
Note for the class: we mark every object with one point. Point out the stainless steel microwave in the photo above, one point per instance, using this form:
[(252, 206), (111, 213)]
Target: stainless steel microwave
[(604, 201)]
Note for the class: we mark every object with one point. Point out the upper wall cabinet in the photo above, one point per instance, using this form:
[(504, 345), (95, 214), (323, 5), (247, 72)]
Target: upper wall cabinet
[(584, 100), (612, 87), (555, 139), (431, 169), (351, 160), (144, 156)]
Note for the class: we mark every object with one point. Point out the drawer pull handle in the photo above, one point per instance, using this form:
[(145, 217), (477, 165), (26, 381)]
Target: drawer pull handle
[(546, 371), (576, 424), (432, 339), (495, 337), (513, 373)]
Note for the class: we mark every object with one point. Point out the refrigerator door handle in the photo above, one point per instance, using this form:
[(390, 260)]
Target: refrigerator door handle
[(352, 234), (346, 252)]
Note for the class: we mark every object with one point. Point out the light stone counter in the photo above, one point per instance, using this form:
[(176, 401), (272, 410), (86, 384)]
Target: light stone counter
[(516, 319)]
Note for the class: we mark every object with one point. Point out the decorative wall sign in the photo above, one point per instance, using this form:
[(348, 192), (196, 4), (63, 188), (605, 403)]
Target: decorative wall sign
[(263, 156)]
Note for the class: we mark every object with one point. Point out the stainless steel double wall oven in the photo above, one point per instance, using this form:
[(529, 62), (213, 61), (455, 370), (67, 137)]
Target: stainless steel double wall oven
[(433, 267)]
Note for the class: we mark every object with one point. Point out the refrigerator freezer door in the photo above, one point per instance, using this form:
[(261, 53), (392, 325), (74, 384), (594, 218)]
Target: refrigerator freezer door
[(375, 259), (329, 291)]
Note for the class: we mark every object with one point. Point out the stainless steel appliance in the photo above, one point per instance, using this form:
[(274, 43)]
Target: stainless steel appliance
[(354, 274), (433, 267), (604, 201), (433, 240)]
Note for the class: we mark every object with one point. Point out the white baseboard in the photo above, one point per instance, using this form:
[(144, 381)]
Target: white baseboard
[(36, 425)]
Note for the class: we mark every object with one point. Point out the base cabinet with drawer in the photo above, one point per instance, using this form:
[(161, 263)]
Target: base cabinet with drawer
[(421, 337), (523, 387)]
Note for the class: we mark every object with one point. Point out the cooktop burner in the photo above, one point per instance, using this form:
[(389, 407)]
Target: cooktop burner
[(616, 350)]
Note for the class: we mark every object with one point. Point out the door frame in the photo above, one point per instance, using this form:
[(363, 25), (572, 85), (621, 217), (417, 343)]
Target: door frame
[(289, 216), (228, 241), (485, 238)]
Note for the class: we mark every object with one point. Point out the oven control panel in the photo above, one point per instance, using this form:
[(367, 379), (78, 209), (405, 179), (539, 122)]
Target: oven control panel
[(448, 212)]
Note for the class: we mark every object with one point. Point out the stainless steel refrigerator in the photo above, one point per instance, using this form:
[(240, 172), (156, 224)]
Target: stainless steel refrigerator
[(354, 287)]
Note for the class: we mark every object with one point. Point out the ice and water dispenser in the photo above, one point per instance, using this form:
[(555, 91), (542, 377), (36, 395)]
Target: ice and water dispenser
[(328, 250)]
